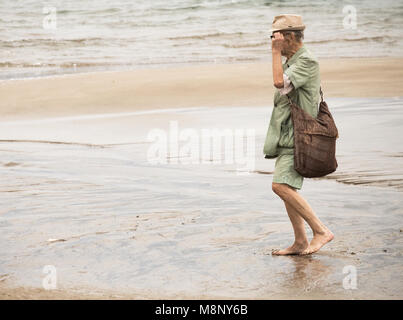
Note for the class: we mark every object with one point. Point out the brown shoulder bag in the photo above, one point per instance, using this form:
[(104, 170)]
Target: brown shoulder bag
[(314, 140)]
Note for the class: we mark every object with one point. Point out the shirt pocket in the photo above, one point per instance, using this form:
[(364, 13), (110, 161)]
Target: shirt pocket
[(286, 136)]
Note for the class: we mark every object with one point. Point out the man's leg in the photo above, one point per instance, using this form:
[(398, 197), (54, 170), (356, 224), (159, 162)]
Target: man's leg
[(321, 234), (301, 242)]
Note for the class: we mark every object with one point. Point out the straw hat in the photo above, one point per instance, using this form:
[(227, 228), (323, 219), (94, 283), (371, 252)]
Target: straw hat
[(287, 22)]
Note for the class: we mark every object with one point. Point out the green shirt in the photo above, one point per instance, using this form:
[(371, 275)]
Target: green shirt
[(303, 71)]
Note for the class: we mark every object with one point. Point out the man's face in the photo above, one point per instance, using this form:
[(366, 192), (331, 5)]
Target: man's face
[(287, 42), (284, 41)]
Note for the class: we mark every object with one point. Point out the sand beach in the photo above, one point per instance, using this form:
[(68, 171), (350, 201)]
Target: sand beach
[(131, 151), (240, 84)]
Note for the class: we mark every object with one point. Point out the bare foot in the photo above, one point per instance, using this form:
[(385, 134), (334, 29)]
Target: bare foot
[(296, 248), (318, 241)]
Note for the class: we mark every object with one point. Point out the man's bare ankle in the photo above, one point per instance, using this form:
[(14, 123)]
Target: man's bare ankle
[(301, 243), (320, 232), (325, 231)]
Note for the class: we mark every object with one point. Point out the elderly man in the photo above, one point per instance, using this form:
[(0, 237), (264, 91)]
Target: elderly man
[(298, 78)]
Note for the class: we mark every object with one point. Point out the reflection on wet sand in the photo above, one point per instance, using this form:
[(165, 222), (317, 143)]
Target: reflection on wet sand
[(307, 274)]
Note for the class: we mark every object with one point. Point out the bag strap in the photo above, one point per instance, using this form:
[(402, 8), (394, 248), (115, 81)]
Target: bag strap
[(320, 91), (289, 99)]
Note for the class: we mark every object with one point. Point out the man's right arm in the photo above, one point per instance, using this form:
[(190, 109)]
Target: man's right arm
[(276, 46)]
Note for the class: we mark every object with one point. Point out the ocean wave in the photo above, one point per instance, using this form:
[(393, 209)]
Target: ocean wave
[(8, 64), (51, 42), (94, 41), (245, 45), (86, 12), (178, 8), (208, 4), (363, 39), (161, 32), (206, 36)]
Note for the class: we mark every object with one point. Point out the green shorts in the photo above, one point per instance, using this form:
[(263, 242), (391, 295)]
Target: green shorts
[(284, 171)]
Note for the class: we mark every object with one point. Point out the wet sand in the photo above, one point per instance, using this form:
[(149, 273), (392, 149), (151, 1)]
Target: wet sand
[(79, 193)]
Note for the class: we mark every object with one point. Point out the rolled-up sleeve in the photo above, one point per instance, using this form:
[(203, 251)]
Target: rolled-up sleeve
[(287, 86), (301, 71)]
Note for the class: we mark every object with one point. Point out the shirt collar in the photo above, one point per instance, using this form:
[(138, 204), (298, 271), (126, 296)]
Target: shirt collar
[(296, 55)]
